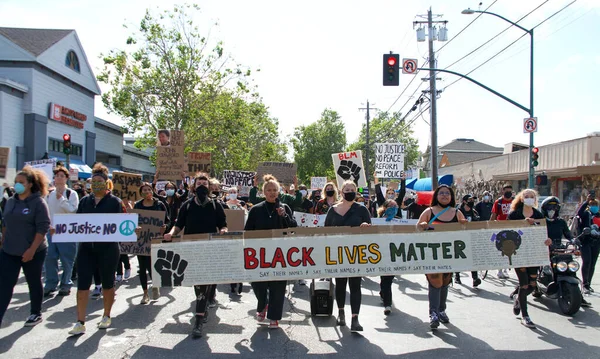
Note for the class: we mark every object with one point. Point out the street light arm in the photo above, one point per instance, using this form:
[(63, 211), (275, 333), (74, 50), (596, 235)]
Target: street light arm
[(501, 17)]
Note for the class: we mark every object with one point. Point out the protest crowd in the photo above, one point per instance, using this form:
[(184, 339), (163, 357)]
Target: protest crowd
[(180, 204)]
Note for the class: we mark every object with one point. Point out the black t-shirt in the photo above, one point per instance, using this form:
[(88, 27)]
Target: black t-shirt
[(264, 216), (355, 216), (156, 206), (197, 219), (557, 229), (518, 214)]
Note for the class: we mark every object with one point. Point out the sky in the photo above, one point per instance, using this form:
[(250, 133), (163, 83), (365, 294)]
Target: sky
[(314, 55)]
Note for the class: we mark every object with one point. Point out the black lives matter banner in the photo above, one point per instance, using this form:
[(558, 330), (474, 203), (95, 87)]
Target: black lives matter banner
[(335, 252)]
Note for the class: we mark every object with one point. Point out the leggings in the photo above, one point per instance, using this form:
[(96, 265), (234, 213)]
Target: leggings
[(123, 261), (589, 256), (355, 294), (271, 293), (385, 285), (145, 264), (201, 292), (527, 277)]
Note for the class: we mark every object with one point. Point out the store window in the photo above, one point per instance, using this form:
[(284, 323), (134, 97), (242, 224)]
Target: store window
[(72, 61), (57, 146), (570, 189), (108, 159)]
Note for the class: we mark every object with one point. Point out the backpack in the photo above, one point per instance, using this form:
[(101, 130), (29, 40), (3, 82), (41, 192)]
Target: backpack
[(68, 192)]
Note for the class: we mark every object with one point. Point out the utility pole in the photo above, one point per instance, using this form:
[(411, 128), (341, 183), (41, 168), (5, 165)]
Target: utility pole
[(433, 35), (368, 141)]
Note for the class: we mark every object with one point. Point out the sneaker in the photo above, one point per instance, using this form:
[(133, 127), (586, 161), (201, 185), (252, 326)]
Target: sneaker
[(119, 278), (205, 317), (387, 310), (197, 331), (591, 289), (444, 317), (260, 316), (341, 319), (104, 323), (33, 320), (302, 282), (587, 291), (505, 272), (145, 299), (212, 303), (273, 324), (526, 321), (49, 292), (585, 303), (64, 292), (127, 273), (476, 282), (78, 329), (516, 306), (155, 293), (355, 326), (434, 321), (240, 288), (457, 279), (500, 275), (96, 292)]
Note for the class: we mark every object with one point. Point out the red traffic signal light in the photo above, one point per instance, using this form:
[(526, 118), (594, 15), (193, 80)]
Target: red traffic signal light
[(66, 144), (66, 137), (391, 70), (391, 61), (535, 150), (535, 156)]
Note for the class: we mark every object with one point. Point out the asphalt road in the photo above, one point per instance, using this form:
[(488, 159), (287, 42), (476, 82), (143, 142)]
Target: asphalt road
[(482, 326)]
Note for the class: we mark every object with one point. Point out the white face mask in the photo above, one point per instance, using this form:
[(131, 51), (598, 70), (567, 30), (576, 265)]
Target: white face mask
[(551, 213), (529, 201), (304, 193), (486, 198), (232, 196)]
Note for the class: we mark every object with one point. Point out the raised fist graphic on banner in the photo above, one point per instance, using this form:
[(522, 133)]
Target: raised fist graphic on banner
[(349, 170), (171, 268)]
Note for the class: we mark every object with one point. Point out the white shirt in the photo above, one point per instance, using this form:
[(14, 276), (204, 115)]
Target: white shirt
[(62, 205)]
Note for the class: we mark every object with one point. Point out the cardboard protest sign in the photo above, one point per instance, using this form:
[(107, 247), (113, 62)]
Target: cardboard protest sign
[(4, 154), (170, 160), (151, 223), (284, 172), (243, 180), (95, 227), (127, 185), (389, 160), (198, 162), (236, 219), (304, 253), (349, 166), (318, 182)]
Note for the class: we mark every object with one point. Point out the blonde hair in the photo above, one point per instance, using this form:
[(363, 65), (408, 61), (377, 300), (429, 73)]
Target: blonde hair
[(348, 183), (268, 180), (521, 195), (336, 194)]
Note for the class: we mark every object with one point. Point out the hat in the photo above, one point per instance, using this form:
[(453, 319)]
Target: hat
[(467, 197)]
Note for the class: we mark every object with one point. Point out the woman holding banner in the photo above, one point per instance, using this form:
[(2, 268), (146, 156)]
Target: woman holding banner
[(329, 197), (442, 210), (388, 210), (149, 203), (270, 214), (352, 214), (25, 224)]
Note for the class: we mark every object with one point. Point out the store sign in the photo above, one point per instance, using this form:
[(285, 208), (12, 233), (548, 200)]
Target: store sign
[(66, 115)]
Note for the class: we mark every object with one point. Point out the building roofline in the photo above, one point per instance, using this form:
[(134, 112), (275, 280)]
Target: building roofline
[(14, 85)]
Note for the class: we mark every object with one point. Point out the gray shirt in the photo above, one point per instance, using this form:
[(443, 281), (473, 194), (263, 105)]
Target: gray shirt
[(23, 219)]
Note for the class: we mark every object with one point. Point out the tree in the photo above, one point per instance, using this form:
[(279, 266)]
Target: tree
[(386, 127), (315, 143)]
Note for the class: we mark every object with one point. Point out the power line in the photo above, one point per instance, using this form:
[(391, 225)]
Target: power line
[(403, 91), (556, 13)]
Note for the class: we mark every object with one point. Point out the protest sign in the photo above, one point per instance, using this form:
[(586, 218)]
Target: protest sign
[(127, 185), (73, 174), (95, 227), (160, 185), (284, 172), (349, 166), (318, 182), (389, 160), (47, 166), (318, 220), (198, 162), (304, 253), (243, 180), (151, 223), (236, 219), (170, 160), (4, 154)]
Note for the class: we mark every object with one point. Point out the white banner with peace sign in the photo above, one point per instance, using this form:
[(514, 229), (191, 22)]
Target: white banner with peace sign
[(97, 227)]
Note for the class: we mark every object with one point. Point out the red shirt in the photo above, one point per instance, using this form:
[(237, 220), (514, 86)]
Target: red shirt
[(503, 204)]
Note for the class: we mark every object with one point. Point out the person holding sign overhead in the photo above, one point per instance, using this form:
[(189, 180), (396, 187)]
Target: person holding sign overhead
[(102, 256), (442, 210), (270, 214), (200, 214), (25, 224), (348, 213)]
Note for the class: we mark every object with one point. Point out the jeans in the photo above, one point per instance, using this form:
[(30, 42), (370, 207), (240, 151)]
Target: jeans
[(10, 268), (66, 253), (589, 256)]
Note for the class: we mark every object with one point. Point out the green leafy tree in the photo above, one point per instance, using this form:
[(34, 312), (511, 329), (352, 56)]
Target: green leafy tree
[(313, 145), (386, 127)]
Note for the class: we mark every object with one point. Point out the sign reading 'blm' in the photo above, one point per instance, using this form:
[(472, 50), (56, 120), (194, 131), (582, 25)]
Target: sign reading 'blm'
[(389, 160), (127, 185)]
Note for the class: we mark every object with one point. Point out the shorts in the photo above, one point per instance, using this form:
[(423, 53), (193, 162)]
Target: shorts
[(101, 256)]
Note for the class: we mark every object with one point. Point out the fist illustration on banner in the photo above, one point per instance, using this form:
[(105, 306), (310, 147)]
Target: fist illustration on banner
[(171, 268), (349, 170)]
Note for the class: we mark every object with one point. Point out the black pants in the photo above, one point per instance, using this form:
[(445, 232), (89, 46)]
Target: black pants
[(212, 292), (123, 261), (202, 292), (10, 268), (271, 293), (589, 256), (474, 274), (102, 257), (527, 277), (355, 295), (385, 286), (145, 264)]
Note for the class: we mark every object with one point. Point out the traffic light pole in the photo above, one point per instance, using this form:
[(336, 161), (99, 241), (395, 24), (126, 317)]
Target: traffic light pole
[(68, 160), (433, 108)]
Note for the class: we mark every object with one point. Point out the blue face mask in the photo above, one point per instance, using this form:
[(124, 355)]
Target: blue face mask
[(19, 188), (170, 192), (390, 213), (593, 209)]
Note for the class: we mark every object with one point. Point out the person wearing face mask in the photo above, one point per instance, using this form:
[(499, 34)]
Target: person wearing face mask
[(200, 214), (390, 193), (329, 197), (149, 203), (215, 190), (172, 199), (348, 213), (387, 211), (590, 245), (523, 207), (25, 224), (306, 205), (500, 211), (469, 212), (235, 204), (6, 194), (270, 214), (314, 198), (484, 207)]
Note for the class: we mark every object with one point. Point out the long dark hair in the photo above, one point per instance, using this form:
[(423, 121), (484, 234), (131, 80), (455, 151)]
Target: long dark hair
[(434, 200)]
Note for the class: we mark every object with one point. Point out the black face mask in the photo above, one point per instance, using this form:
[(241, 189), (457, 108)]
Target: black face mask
[(507, 195), (470, 204), (330, 193), (216, 193), (201, 192), (317, 198), (350, 196)]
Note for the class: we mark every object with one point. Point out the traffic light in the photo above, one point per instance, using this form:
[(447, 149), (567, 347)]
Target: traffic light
[(535, 156), (541, 180), (391, 70), (66, 144)]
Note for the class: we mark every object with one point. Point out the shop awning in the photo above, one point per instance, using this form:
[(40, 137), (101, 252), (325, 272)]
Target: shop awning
[(424, 184), (84, 170)]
